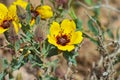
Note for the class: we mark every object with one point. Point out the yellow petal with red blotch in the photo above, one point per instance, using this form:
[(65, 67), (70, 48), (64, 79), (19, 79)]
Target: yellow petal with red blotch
[(12, 14), (45, 11), (51, 39)]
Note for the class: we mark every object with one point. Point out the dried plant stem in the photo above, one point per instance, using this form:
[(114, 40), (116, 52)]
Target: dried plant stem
[(68, 70), (99, 6), (106, 61)]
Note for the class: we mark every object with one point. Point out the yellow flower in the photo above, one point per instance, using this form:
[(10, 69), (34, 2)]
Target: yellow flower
[(7, 18), (64, 35), (21, 3), (44, 11)]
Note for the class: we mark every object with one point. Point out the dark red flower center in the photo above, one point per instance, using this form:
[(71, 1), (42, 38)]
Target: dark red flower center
[(62, 40), (34, 14), (6, 24)]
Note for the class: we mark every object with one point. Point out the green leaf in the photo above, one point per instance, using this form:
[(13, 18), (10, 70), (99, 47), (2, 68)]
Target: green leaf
[(89, 37), (28, 8), (78, 24), (46, 47), (110, 33), (92, 27), (72, 14), (97, 12), (2, 75), (89, 2), (118, 34), (71, 57), (53, 51), (49, 77), (29, 17), (69, 3), (4, 63), (17, 45), (17, 63), (25, 28), (42, 2), (37, 21), (6, 34)]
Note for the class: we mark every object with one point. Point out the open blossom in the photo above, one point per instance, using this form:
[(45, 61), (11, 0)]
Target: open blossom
[(64, 35), (8, 17), (44, 11)]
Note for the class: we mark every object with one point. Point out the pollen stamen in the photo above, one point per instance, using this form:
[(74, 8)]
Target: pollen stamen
[(62, 40), (6, 24)]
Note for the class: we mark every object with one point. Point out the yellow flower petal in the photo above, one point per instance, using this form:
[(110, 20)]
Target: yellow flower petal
[(3, 11), (45, 11), (66, 48), (16, 26), (68, 26), (51, 40), (76, 37), (21, 3), (32, 22), (54, 29), (12, 13), (2, 30), (65, 36)]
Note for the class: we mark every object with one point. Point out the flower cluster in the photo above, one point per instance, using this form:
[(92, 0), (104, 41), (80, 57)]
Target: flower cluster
[(63, 35), (36, 33), (8, 16), (44, 11)]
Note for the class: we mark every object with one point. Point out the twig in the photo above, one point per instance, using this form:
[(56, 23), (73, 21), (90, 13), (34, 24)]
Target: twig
[(68, 70), (99, 6), (107, 63)]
